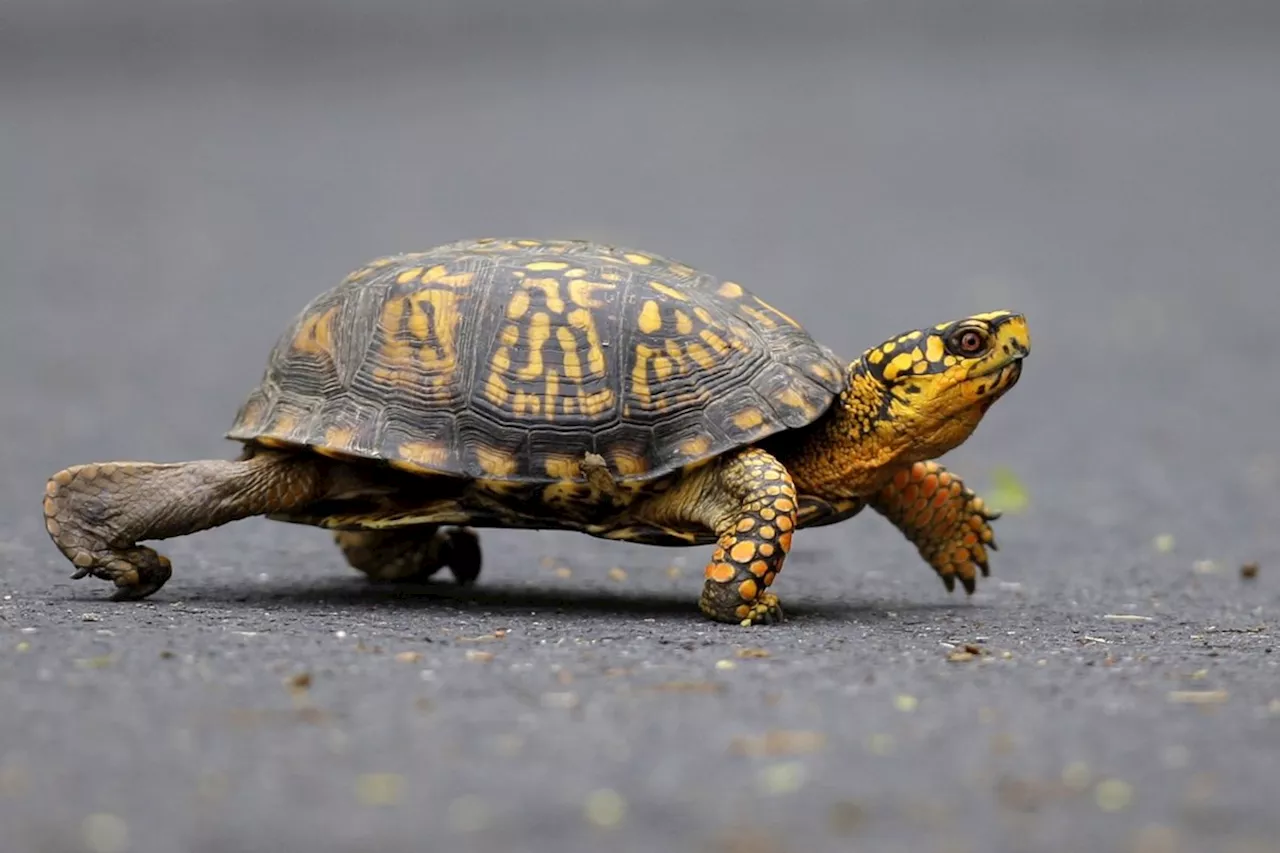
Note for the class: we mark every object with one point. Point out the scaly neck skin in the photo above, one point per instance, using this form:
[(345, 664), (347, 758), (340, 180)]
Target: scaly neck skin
[(867, 435)]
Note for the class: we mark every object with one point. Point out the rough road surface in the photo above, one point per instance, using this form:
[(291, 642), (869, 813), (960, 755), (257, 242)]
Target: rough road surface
[(178, 183)]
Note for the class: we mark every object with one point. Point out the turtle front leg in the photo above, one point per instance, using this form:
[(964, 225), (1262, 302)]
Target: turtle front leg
[(749, 501), (96, 514), (408, 554), (943, 518)]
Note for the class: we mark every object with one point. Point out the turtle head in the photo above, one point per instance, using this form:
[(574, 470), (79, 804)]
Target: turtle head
[(930, 387)]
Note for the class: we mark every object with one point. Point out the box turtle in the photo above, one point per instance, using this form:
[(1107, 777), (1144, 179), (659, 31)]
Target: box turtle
[(575, 386)]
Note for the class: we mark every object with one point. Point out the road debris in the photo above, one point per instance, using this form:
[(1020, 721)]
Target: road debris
[(1198, 697), (1249, 571), (777, 742), (1127, 617), (604, 808)]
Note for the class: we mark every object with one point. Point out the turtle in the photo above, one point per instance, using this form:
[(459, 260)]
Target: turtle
[(569, 385)]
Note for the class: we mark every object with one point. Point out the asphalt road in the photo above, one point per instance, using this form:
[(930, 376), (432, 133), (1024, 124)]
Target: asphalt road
[(166, 210)]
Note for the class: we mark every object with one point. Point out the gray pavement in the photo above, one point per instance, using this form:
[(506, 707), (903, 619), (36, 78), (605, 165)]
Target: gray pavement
[(178, 179)]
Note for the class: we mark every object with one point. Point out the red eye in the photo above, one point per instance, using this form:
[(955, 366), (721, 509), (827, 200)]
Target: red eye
[(968, 342)]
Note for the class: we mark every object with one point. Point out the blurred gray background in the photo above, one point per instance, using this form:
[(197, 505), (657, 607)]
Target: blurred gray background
[(178, 177)]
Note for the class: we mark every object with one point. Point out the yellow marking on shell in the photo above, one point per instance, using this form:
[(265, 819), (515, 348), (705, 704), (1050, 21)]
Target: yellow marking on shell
[(518, 305), (695, 446), (669, 292), (628, 464), (701, 357), (495, 390), (611, 276), (284, 424), (338, 437), (444, 309), (551, 394), (663, 367), (440, 274), (597, 402), (640, 373), (748, 419), (569, 346), (539, 332), (704, 315), (822, 371), (379, 263), (529, 244), (411, 274), (510, 335), (900, 363), (760, 317), (563, 467), (781, 314), (716, 342), (935, 349), (681, 270), (581, 319), (268, 441), (551, 288), (546, 266), (791, 397), (650, 320), (495, 462), (421, 456), (684, 323), (526, 403), (730, 290), (576, 272), (315, 335), (580, 293), (642, 260), (501, 361)]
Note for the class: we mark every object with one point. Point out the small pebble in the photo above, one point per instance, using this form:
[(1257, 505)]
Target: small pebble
[(379, 789), (604, 808), (24, 646), (725, 664), (105, 833), (1249, 571), (617, 574), (1163, 543), (785, 778), (905, 703), (561, 701), (881, 744), (1076, 776), (1198, 697), (752, 653), (90, 617), (563, 572), (479, 656), (408, 657), (468, 813), (1113, 795)]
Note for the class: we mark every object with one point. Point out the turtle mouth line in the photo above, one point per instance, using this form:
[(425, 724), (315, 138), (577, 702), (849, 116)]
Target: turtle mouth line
[(999, 371)]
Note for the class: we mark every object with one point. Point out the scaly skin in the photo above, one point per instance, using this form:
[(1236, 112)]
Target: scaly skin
[(96, 514), (943, 518)]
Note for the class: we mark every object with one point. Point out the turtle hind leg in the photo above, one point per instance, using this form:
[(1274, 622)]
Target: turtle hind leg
[(96, 514), (409, 554)]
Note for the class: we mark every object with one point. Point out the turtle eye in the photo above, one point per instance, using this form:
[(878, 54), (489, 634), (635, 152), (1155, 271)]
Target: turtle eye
[(967, 342)]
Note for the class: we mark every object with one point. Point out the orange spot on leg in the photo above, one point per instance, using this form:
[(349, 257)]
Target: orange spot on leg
[(721, 572), (748, 590), (743, 551)]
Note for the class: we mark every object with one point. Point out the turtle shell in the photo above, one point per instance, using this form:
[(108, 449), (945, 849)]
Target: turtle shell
[(514, 359)]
